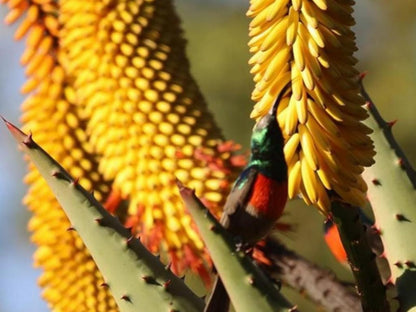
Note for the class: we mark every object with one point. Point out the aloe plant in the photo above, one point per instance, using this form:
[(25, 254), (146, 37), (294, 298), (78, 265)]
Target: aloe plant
[(114, 141), (135, 277)]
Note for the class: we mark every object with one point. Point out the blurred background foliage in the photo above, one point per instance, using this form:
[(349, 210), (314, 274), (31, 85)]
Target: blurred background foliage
[(217, 47)]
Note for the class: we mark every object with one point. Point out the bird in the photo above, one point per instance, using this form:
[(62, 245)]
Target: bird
[(258, 196)]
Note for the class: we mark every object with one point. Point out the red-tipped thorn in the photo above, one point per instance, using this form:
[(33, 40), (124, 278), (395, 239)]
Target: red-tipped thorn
[(375, 229), (28, 140), (167, 283), (213, 228), (390, 124), (57, 174), (9, 124), (398, 264), (75, 182), (410, 264), (183, 190), (362, 75), (368, 105), (125, 298), (389, 283), (18, 134), (401, 163), (104, 285), (376, 182), (100, 221), (400, 217), (383, 255), (150, 280), (71, 228), (129, 240)]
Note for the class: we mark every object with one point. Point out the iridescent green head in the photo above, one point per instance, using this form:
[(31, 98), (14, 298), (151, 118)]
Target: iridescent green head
[(267, 145)]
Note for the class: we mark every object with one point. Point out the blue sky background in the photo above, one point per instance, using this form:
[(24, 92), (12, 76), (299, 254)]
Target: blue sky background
[(386, 50)]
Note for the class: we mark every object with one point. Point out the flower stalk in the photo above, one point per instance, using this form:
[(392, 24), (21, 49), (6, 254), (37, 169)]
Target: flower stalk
[(360, 257)]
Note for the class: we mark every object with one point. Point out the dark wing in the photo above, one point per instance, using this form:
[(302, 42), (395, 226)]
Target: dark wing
[(239, 195), (237, 199)]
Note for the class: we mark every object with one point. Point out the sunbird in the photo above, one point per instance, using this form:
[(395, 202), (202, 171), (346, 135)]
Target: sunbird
[(258, 196)]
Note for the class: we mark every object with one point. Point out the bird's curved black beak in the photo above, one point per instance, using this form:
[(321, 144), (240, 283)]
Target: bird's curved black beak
[(270, 118)]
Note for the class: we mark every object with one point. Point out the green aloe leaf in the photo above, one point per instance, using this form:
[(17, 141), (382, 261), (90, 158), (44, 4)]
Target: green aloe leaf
[(249, 289), (135, 277), (392, 193)]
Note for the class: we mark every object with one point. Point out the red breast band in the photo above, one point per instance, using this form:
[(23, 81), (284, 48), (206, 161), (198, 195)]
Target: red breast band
[(269, 196)]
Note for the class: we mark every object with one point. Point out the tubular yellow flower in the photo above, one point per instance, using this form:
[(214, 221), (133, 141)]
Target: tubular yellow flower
[(310, 44), (147, 119), (112, 99)]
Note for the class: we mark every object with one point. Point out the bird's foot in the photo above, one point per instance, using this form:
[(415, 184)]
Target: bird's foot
[(242, 246)]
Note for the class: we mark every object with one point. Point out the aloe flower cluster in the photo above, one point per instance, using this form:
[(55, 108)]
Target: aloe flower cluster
[(310, 45)]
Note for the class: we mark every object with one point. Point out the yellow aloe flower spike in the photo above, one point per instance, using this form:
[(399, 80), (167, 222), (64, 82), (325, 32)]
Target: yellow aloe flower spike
[(147, 120), (310, 44), (70, 279), (112, 99)]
